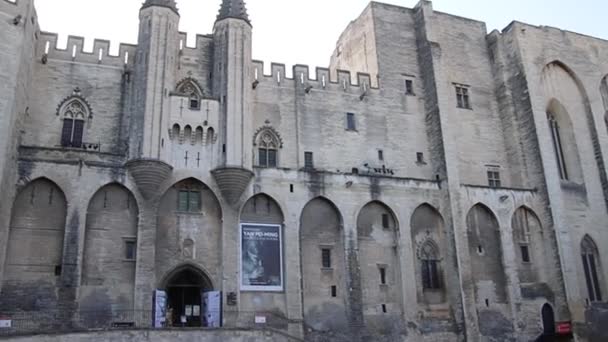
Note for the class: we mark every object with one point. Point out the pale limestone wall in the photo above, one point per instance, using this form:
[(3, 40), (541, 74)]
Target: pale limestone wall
[(507, 127), (17, 43)]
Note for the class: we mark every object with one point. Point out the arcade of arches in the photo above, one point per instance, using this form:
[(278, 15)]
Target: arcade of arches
[(188, 256)]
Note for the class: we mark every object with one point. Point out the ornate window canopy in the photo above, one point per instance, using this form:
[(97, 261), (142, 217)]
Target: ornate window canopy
[(267, 137), (189, 87), (75, 106), (428, 251)]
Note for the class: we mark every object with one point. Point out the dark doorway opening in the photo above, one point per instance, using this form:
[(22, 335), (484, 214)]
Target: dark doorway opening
[(548, 317), (185, 290)]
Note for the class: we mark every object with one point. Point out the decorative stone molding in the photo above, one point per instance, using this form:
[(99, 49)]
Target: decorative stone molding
[(75, 104), (149, 174), (232, 182), (260, 132)]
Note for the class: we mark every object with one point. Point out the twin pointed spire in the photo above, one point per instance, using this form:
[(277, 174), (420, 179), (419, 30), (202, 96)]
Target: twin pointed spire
[(233, 9), (163, 3), (229, 9)]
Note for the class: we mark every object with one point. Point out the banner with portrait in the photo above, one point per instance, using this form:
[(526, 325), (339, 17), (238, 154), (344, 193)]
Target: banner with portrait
[(261, 257)]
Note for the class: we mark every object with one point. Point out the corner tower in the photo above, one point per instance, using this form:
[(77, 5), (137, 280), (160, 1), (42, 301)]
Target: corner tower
[(232, 85), (156, 66)]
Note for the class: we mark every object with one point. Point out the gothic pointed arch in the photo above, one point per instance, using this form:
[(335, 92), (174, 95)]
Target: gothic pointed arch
[(592, 269), (268, 142), (604, 93), (324, 289), (74, 111), (189, 228), (428, 239), (109, 252), (34, 248), (378, 241), (529, 244), (190, 88)]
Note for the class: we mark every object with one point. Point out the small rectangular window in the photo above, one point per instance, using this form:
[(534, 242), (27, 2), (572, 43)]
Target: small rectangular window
[(385, 221), (384, 308), (494, 179), (409, 87), (462, 97), (420, 158), (308, 160), (525, 253), (350, 122), (334, 291), (382, 275), (380, 155), (326, 257), (130, 250), (58, 270)]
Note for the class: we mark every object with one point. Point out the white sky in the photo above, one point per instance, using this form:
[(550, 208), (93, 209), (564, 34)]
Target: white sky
[(304, 31)]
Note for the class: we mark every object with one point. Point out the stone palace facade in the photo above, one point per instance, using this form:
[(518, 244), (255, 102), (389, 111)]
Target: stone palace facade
[(450, 186)]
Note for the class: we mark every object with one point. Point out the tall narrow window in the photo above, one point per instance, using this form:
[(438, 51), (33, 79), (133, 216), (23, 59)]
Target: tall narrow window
[(383, 275), (462, 97), (74, 113), (429, 263), (326, 257), (590, 258), (351, 124), (409, 87), (557, 145), (385, 221), (308, 161), (130, 250)]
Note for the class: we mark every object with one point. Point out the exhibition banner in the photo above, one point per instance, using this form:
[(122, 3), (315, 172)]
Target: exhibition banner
[(160, 308), (261, 257), (212, 306)]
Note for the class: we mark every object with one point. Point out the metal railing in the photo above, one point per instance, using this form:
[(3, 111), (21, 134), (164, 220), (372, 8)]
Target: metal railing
[(65, 321)]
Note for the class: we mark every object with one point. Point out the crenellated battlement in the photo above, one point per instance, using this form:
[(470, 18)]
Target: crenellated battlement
[(74, 52), (201, 41), (323, 78)]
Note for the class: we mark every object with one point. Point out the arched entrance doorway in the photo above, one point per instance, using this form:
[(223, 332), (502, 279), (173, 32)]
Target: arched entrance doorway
[(185, 289), (548, 320)]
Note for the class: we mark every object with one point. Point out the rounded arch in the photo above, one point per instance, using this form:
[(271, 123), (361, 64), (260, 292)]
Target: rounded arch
[(35, 246), (262, 208)]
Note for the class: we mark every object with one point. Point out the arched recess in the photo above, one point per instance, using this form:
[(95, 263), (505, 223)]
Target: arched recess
[(564, 142), (485, 249), (528, 240), (593, 274), (323, 266), (185, 286), (110, 251), (189, 229), (33, 261), (548, 319), (377, 232), (429, 252)]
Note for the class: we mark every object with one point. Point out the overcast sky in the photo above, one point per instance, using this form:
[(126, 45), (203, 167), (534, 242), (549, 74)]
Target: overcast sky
[(304, 31)]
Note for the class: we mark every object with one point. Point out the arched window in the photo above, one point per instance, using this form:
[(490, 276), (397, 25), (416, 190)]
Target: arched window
[(268, 144), (429, 263), (190, 88), (590, 257), (73, 110), (557, 145)]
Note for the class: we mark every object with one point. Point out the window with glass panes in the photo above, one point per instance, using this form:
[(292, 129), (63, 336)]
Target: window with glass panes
[(429, 264), (494, 178), (267, 150), (462, 97), (189, 200)]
